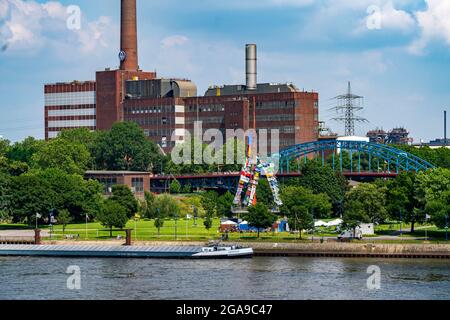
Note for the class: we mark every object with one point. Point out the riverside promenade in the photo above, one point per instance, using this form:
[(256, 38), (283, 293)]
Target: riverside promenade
[(326, 249)]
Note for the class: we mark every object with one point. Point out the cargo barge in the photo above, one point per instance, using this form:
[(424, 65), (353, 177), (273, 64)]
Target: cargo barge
[(165, 252)]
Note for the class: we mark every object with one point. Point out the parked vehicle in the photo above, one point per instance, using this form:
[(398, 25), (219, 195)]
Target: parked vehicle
[(348, 235)]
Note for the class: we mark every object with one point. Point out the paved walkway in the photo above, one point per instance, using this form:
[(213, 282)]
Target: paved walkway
[(22, 233)]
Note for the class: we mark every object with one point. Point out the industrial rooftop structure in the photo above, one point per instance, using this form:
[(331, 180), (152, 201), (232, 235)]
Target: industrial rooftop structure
[(168, 108)]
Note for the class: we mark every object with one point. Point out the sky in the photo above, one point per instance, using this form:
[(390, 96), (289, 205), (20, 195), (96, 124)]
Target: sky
[(396, 53)]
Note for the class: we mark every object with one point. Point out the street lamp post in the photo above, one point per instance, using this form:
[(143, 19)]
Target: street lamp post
[(187, 221), (446, 227), (176, 227), (86, 227), (159, 221)]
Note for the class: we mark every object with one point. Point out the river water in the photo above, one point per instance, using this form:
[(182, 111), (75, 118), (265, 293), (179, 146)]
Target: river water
[(253, 279)]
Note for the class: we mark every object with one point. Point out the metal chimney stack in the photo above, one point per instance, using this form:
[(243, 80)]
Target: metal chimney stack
[(445, 128), (128, 36), (251, 66)]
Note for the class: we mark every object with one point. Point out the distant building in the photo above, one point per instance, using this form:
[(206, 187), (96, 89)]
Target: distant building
[(399, 136), (377, 136), (435, 144), (138, 182), (169, 107), (68, 106)]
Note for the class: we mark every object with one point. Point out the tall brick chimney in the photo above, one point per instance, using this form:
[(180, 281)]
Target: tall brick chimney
[(128, 37)]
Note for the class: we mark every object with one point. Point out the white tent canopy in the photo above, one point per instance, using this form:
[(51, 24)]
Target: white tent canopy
[(335, 223), (320, 223), (229, 223)]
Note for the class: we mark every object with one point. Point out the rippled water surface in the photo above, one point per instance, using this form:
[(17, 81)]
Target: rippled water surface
[(258, 278)]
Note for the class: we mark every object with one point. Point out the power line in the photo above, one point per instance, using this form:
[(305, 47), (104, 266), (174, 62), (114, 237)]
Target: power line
[(347, 106)]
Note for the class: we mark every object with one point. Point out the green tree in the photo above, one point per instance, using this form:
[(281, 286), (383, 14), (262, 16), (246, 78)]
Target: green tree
[(126, 147), (79, 135), (439, 157), (322, 179), (209, 203), (208, 222), (165, 207), (224, 204), (354, 215), (28, 195), (259, 217), (4, 146), (71, 157), (90, 139), (264, 193), (402, 200), (433, 191), (439, 210), (373, 200), (301, 206), (23, 151), (148, 209), (175, 187), (17, 168), (112, 215), (71, 192), (122, 194), (186, 189), (4, 196), (64, 219)]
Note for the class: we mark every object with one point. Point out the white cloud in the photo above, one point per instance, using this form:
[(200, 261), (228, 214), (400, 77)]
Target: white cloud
[(4, 8), (388, 18), (172, 41), (434, 23), (300, 3), (32, 26), (251, 4), (392, 18)]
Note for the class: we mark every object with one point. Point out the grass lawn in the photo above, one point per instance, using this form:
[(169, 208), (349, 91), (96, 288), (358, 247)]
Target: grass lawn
[(144, 230), (181, 230)]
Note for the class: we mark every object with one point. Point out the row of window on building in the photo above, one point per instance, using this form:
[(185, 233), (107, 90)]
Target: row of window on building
[(149, 110), (68, 124), (72, 112), (137, 184), (70, 98), (207, 108)]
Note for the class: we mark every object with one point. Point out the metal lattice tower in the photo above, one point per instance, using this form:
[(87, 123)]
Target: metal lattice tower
[(347, 106)]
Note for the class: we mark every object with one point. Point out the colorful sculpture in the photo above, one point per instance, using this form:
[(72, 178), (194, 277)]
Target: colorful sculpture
[(252, 171)]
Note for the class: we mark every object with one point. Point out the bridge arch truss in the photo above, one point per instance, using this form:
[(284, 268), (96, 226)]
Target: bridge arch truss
[(392, 159)]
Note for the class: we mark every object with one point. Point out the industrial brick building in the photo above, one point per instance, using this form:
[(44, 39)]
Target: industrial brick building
[(167, 107), (68, 106)]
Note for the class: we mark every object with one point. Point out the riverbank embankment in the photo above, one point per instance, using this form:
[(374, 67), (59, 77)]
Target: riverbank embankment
[(326, 249)]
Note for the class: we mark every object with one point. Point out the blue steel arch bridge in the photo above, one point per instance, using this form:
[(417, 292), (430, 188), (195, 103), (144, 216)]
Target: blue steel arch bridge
[(357, 160)]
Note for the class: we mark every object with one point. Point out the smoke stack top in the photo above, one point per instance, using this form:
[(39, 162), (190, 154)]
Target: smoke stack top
[(251, 66), (128, 36)]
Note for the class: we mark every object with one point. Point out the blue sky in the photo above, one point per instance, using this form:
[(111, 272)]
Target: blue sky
[(401, 68)]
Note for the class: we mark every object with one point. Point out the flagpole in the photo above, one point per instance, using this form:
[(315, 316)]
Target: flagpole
[(86, 233)]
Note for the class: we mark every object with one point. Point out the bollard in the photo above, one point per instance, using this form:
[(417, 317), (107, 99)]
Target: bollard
[(37, 237), (128, 240)]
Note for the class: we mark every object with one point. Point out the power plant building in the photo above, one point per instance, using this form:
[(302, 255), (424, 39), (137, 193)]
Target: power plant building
[(165, 107)]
